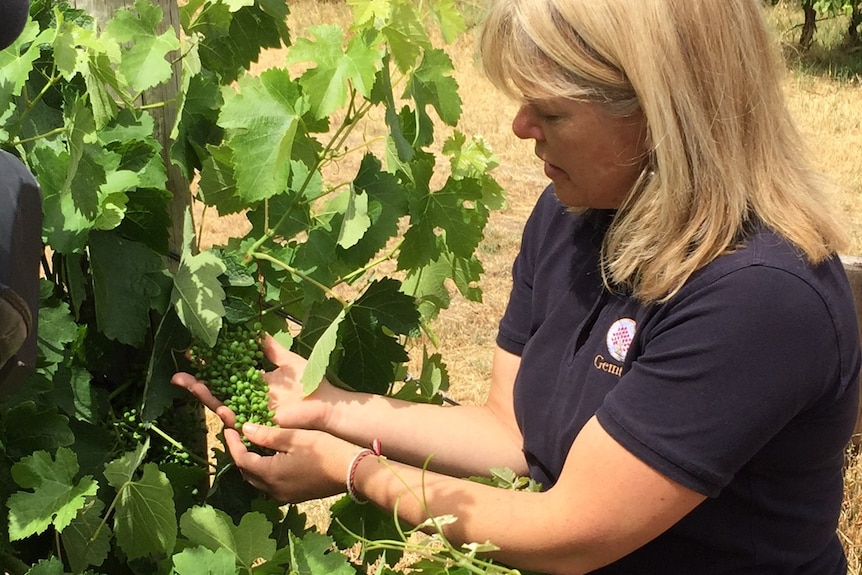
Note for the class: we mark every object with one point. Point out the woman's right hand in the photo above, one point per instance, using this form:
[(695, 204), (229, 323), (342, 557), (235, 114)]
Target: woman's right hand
[(293, 409)]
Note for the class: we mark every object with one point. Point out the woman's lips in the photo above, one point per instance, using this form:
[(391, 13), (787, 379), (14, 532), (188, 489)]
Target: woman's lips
[(553, 172)]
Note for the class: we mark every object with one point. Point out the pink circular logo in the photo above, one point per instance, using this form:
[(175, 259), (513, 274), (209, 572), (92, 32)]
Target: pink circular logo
[(620, 337)]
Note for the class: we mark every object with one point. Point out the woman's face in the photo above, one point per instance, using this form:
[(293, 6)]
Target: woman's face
[(594, 158)]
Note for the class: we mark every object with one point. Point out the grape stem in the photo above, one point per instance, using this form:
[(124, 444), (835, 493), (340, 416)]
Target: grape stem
[(305, 277), (466, 560), (177, 444)]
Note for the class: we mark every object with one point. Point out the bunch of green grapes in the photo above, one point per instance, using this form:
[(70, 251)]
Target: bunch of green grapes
[(233, 371), (132, 431)]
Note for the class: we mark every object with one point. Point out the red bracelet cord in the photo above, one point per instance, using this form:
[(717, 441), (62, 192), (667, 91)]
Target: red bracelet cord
[(376, 449)]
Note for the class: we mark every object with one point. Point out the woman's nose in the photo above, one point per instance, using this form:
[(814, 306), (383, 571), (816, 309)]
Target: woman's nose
[(524, 124)]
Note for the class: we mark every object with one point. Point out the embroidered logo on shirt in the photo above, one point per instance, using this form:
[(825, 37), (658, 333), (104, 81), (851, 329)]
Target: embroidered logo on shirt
[(620, 337)]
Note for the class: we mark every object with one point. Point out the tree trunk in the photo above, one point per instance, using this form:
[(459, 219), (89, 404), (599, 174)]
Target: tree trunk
[(165, 116), (809, 27), (855, 22)]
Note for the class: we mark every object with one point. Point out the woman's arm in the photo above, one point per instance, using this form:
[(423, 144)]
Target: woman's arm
[(606, 503), (460, 440)]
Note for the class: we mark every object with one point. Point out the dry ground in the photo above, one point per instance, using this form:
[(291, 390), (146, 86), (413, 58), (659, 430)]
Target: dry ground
[(829, 114)]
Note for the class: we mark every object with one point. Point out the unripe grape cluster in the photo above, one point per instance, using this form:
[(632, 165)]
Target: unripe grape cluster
[(233, 371), (132, 431)]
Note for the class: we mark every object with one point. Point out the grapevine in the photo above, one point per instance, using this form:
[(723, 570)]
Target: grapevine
[(233, 371)]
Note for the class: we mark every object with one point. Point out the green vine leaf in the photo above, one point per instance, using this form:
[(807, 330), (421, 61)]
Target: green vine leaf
[(217, 185), (356, 221), (55, 499), (52, 566), (261, 120), (369, 336), (86, 541), (451, 20), (159, 394), (144, 63), (433, 380), (432, 84), (203, 561), (197, 127), (57, 328), (122, 470), (466, 272), (198, 294), (15, 65), (427, 285), (398, 147), (231, 41), (84, 173), (124, 286), (23, 437), (213, 529), (449, 216), (318, 359), (348, 519), (145, 522), (63, 226), (405, 35), (336, 69), (365, 12), (312, 555), (387, 204), (289, 214)]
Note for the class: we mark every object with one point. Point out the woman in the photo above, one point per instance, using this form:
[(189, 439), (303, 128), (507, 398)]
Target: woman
[(678, 362)]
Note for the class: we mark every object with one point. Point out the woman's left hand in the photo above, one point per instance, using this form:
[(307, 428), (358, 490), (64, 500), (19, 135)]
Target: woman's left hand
[(307, 464)]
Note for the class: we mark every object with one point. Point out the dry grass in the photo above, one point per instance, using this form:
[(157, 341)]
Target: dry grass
[(829, 114)]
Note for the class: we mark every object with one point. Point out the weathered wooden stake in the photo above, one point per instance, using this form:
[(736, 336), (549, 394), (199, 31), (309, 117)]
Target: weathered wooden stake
[(853, 267)]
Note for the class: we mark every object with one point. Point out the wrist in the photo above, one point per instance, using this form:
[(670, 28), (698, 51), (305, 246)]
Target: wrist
[(335, 403), (375, 451)]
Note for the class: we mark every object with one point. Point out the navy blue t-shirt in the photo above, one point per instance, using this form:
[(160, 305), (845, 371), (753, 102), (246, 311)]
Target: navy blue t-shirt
[(742, 387)]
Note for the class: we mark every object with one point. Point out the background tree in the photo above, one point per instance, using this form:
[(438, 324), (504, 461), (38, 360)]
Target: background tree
[(830, 8)]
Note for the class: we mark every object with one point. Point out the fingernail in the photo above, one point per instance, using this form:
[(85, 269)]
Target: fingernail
[(249, 428)]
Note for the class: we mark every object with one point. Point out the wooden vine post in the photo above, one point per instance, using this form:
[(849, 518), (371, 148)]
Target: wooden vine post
[(163, 99), (853, 267), (164, 115)]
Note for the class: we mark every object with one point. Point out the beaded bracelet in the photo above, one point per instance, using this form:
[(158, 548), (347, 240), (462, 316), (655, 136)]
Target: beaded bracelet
[(376, 449)]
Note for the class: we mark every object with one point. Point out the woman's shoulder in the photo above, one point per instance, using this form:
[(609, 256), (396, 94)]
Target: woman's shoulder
[(764, 249), (772, 276)]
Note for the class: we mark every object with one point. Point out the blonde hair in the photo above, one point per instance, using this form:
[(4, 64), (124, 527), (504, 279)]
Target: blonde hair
[(724, 152)]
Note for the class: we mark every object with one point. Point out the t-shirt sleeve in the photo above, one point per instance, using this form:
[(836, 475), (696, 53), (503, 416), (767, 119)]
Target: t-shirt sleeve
[(516, 324), (723, 370)]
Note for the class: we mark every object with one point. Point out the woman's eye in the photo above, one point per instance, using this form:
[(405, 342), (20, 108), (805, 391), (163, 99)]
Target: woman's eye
[(545, 114)]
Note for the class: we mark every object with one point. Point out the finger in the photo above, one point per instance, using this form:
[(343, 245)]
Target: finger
[(200, 390), (252, 466), (227, 416), (197, 388), (237, 449), (183, 379), (277, 353), (274, 438)]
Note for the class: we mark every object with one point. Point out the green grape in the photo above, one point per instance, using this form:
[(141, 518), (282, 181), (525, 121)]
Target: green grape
[(233, 371), (131, 431)]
